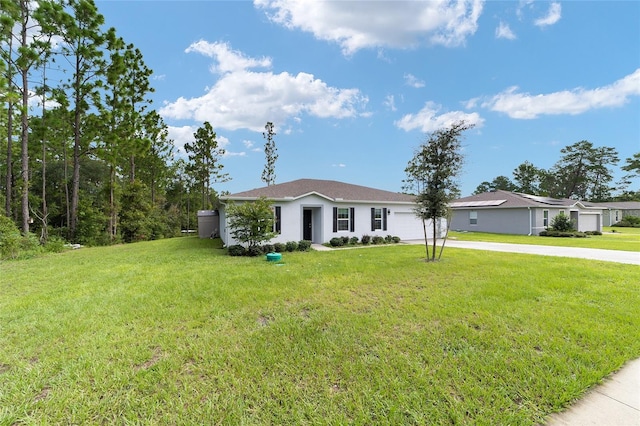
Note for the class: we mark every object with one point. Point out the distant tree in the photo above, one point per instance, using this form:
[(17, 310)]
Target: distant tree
[(500, 182), (526, 178), (582, 172), (271, 155), (633, 164), (251, 223), (432, 175), (204, 161)]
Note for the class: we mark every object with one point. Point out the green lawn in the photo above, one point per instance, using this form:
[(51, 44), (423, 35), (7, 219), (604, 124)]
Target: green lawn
[(627, 239), (174, 332)]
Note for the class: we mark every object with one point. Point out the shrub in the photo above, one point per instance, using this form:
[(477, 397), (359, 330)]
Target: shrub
[(291, 246), (353, 241), (593, 233), (561, 222), (396, 240), (629, 222), (236, 250), (562, 234), (345, 240), (304, 245), (279, 247), (9, 238), (377, 239), (54, 244), (254, 251), (366, 239), (268, 248), (336, 242)]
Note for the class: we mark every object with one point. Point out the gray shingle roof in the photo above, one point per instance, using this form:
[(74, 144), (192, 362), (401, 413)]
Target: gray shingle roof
[(330, 189), (512, 200)]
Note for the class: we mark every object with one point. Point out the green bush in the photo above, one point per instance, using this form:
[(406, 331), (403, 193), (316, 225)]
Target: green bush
[(377, 239), (353, 241), (254, 251), (304, 245), (366, 239), (561, 222), (336, 242), (268, 248), (54, 244), (10, 239), (279, 247), (396, 240), (291, 246), (593, 233), (562, 234), (236, 250), (629, 222)]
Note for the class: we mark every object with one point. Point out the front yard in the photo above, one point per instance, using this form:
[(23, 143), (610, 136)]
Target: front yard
[(176, 332)]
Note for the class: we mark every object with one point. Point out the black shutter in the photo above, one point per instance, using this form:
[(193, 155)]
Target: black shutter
[(352, 216), (373, 219), (278, 217), (335, 219), (384, 219)]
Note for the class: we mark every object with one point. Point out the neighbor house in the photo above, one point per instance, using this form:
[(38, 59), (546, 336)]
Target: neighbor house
[(613, 212), (505, 212), (318, 210)]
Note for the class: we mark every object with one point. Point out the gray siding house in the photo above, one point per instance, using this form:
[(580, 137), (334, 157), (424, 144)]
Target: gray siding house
[(504, 212), (318, 210), (614, 212)]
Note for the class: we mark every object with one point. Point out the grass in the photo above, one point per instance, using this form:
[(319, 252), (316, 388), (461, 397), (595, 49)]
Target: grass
[(174, 332), (627, 239)]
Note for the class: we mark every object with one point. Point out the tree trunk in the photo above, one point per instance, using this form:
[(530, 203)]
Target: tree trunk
[(75, 184), (24, 137), (434, 224), (426, 239)]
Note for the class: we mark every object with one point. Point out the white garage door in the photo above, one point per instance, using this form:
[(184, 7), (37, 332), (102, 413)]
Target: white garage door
[(408, 227), (588, 222)]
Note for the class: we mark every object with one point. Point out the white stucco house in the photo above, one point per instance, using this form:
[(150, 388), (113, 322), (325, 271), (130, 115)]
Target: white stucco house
[(504, 212), (318, 210)]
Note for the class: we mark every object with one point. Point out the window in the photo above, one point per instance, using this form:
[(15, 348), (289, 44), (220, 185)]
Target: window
[(545, 218), (277, 213), (343, 219), (473, 217), (378, 219)]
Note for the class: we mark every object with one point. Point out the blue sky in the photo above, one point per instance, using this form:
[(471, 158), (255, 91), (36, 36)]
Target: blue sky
[(353, 86)]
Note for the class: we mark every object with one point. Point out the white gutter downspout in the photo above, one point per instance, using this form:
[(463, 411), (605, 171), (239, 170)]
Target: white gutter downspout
[(530, 225)]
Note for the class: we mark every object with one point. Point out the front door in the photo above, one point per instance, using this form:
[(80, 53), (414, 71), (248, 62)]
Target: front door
[(307, 233)]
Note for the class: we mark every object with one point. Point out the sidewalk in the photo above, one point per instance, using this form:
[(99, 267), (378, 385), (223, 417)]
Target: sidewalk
[(616, 402)]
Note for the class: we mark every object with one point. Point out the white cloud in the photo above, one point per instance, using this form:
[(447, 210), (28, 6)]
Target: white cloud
[(553, 15), (241, 98), (340, 165), (504, 31), (572, 102), (356, 25), (390, 102), (428, 120), (413, 81), (228, 60)]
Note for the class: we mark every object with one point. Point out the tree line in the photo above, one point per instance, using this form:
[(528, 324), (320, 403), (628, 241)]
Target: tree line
[(583, 172), (86, 157)]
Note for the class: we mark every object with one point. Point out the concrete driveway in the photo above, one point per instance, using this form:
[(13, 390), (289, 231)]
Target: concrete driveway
[(618, 256)]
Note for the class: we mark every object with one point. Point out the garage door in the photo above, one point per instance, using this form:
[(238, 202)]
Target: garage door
[(408, 227), (588, 222)]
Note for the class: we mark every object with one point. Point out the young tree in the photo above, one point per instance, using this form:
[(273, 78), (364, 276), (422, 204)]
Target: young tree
[(432, 175), (251, 223), (271, 155), (204, 156)]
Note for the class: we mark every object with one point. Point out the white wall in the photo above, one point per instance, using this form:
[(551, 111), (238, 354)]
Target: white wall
[(401, 221)]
